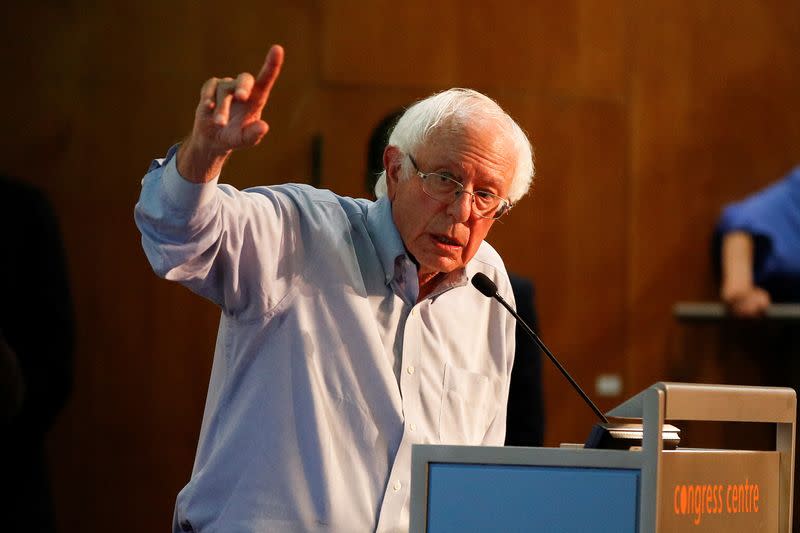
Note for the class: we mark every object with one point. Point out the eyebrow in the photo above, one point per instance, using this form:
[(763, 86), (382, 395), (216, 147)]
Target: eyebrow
[(493, 185)]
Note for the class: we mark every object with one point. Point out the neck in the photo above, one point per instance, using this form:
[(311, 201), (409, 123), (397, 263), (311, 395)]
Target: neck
[(427, 282)]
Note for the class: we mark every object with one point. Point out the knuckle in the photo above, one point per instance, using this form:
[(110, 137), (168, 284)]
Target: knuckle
[(207, 85)]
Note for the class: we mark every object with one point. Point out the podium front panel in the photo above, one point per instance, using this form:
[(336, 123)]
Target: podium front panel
[(481, 497), (709, 491)]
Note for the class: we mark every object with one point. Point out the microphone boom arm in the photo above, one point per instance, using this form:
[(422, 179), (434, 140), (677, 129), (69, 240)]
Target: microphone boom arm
[(552, 358)]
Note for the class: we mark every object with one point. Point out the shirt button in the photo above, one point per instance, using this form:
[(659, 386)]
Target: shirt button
[(412, 426), (410, 369), (397, 486)]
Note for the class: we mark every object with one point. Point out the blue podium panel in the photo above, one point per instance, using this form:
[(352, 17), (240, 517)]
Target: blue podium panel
[(509, 498)]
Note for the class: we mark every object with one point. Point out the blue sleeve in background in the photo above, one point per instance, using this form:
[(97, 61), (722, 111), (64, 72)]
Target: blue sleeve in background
[(772, 216)]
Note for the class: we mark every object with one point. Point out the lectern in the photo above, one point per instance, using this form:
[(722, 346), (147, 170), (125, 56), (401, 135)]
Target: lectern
[(644, 489)]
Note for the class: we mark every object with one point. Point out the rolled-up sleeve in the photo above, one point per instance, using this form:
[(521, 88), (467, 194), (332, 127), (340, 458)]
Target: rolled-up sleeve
[(239, 249)]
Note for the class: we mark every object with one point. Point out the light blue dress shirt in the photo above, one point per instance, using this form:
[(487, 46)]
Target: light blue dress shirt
[(326, 370)]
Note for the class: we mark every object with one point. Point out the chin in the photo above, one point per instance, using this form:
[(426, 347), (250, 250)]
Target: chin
[(445, 266)]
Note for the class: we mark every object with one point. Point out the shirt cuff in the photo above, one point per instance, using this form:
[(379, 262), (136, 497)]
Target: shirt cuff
[(184, 194)]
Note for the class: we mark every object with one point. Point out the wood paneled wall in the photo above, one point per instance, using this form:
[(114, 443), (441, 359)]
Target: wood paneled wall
[(646, 118)]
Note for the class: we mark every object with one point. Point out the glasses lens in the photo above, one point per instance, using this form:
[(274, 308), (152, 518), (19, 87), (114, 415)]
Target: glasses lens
[(499, 211), (486, 203), (441, 187)]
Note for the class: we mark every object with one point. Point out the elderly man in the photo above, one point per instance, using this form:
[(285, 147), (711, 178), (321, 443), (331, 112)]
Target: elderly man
[(348, 331)]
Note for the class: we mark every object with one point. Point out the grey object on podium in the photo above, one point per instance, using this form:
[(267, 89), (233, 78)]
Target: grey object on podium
[(644, 489)]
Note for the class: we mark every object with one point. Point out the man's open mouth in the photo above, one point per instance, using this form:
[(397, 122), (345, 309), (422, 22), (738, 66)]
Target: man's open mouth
[(446, 240)]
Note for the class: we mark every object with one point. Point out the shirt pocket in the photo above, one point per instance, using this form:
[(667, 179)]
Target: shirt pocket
[(465, 403)]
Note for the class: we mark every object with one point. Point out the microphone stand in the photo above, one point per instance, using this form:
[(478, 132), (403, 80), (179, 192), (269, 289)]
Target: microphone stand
[(605, 435), (552, 357)]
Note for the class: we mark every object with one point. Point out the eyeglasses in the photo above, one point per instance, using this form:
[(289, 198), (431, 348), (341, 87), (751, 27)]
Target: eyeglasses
[(445, 189)]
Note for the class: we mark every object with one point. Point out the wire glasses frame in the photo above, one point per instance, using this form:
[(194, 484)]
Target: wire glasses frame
[(446, 189)]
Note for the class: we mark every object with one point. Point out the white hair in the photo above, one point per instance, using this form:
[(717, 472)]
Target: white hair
[(424, 117)]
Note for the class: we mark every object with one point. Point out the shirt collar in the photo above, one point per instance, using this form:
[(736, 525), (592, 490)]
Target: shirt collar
[(392, 252), (384, 235)]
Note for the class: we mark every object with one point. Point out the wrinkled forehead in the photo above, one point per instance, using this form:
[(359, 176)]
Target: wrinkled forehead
[(481, 146)]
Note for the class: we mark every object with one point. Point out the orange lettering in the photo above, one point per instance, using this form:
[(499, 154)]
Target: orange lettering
[(698, 502), (684, 499), (755, 498), (740, 490), (747, 490), (739, 497), (728, 499)]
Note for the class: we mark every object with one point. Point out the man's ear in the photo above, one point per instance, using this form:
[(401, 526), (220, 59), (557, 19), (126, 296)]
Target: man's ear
[(393, 163)]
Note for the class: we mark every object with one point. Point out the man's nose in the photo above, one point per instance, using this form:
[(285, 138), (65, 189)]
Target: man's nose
[(461, 207)]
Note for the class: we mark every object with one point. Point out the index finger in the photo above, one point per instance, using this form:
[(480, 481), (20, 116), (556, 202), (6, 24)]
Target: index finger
[(269, 72)]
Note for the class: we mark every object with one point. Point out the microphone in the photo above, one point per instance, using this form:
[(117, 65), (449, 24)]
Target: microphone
[(605, 435), (488, 288)]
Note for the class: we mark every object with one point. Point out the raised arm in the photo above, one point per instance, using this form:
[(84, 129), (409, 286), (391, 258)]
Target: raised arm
[(228, 117), (738, 291), (224, 244)]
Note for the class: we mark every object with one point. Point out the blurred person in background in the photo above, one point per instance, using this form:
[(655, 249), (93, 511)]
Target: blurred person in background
[(757, 248), (36, 330)]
